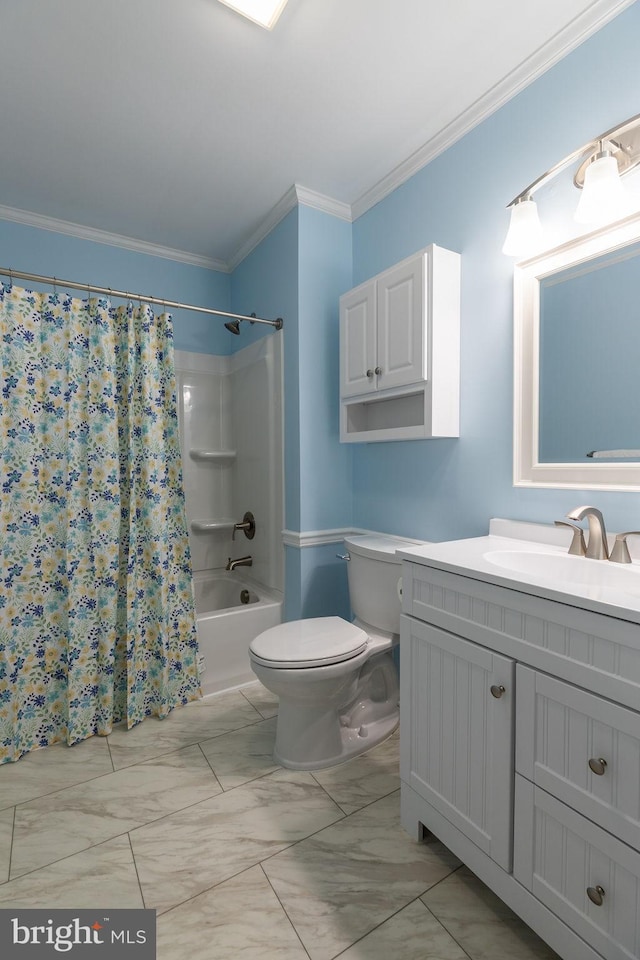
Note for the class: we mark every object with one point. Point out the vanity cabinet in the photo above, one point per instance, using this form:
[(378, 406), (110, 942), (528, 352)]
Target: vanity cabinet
[(535, 786), (399, 351)]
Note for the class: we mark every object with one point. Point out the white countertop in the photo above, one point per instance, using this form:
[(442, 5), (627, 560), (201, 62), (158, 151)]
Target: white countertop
[(472, 558)]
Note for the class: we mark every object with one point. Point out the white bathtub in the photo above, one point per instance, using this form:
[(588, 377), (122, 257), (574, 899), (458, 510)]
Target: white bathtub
[(227, 624)]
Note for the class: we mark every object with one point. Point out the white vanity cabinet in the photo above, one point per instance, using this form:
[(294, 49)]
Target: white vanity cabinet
[(399, 351), (535, 786)]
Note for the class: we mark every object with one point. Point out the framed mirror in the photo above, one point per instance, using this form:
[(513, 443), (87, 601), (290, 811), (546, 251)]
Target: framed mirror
[(577, 363)]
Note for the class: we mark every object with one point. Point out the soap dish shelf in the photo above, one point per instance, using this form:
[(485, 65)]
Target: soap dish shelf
[(212, 456)]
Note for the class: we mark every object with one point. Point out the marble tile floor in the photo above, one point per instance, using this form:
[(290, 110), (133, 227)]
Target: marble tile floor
[(241, 859)]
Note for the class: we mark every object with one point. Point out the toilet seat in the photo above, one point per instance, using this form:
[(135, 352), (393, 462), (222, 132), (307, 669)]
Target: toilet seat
[(308, 643)]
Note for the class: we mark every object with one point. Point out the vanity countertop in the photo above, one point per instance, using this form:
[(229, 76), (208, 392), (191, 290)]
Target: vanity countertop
[(515, 555)]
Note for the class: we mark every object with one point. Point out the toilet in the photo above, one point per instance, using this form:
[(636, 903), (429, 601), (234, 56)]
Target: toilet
[(337, 681)]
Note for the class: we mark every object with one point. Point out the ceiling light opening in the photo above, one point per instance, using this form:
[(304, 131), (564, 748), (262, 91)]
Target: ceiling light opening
[(263, 12)]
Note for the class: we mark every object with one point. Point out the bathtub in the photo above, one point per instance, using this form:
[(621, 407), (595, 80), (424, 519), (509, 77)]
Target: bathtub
[(230, 612)]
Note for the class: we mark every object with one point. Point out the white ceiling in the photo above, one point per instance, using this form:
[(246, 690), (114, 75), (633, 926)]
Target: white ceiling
[(179, 123)]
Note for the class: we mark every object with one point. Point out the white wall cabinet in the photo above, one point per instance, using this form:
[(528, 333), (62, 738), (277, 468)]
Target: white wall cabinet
[(552, 826), (399, 351)]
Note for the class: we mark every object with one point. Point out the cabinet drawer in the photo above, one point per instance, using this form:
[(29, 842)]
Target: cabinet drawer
[(581, 748), (560, 855)]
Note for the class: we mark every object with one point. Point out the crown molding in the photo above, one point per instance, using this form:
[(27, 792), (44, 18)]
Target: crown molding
[(70, 229), (294, 196), (566, 40), (277, 213), (336, 208)]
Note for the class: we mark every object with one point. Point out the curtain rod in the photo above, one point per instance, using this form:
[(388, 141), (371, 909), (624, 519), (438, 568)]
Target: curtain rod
[(108, 292)]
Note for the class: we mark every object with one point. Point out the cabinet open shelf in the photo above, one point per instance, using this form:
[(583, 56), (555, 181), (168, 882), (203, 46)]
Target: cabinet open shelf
[(391, 418)]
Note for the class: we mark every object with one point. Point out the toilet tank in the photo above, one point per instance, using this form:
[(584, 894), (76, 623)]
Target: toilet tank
[(374, 572)]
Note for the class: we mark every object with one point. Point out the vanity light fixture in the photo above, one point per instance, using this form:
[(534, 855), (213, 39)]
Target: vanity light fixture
[(603, 161), (263, 12)]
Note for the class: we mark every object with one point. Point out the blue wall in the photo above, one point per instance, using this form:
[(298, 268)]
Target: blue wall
[(324, 271), (450, 488), (33, 250), (267, 282), (298, 272)]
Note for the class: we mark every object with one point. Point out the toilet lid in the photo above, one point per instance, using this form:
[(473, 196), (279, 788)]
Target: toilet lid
[(309, 643)]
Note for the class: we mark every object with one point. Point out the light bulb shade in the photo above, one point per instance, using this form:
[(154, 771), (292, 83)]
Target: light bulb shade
[(603, 198), (524, 237)]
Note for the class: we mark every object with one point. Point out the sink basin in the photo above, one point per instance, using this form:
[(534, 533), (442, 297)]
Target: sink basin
[(564, 570)]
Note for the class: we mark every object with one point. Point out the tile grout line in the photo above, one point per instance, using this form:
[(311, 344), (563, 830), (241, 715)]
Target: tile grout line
[(284, 910), (390, 917), (113, 766), (13, 830), (439, 921), (135, 867)]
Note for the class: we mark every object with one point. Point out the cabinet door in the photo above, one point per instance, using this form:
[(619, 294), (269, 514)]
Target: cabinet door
[(456, 733), (358, 341), (401, 324)]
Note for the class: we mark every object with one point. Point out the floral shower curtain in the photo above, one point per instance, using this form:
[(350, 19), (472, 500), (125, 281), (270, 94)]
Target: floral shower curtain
[(96, 609)]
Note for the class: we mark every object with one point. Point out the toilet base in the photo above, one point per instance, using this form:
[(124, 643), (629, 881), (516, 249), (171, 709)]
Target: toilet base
[(353, 742), (312, 734)]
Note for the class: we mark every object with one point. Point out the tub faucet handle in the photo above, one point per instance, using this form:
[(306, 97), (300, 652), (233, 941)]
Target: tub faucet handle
[(247, 525)]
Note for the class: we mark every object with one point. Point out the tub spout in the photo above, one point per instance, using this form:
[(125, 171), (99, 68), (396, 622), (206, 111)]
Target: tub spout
[(240, 562)]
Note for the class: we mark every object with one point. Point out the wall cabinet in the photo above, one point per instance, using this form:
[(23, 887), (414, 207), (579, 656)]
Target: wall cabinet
[(399, 351), (520, 750)]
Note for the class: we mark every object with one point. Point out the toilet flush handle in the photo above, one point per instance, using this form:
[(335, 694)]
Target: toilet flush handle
[(343, 556)]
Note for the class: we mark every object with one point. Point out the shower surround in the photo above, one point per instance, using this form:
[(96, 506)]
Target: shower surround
[(230, 410)]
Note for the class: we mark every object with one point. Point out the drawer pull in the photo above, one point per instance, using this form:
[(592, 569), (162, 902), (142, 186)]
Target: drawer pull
[(497, 691), (598, 766), (596, 895)]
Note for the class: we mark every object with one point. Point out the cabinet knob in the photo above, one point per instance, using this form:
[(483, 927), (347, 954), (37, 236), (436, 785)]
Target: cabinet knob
[(497, 691), (378, 370), (598, 766), (370, 373), (596, 895)]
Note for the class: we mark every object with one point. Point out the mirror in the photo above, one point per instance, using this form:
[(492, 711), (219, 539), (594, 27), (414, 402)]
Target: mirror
[(577, 363)]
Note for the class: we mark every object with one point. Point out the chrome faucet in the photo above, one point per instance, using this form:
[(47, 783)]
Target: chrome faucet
[(597, 547), (240, 562)]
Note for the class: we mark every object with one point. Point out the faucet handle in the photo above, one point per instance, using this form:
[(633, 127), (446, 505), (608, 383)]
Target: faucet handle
[(578, 547), (620, 552)]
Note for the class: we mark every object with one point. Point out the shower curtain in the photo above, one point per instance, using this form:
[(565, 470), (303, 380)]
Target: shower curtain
[(97, 621)]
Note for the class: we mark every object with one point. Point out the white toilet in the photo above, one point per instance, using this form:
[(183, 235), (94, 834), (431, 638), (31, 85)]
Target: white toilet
[(337, 681)]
